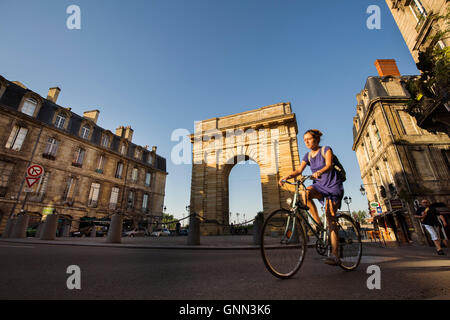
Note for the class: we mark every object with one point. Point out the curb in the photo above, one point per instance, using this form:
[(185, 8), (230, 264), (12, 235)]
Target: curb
[(137, 246)]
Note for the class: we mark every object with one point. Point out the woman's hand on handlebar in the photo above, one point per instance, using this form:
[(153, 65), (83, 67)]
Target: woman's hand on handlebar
[(282, 181)]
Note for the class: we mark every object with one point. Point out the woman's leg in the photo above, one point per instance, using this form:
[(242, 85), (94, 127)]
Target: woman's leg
[(330, 209), (311, 194)]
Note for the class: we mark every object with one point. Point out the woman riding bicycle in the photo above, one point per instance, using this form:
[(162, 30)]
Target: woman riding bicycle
[(327, 184)]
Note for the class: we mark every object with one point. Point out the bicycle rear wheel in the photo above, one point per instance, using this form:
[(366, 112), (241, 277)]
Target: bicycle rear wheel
[(350, 245), (283, 243)]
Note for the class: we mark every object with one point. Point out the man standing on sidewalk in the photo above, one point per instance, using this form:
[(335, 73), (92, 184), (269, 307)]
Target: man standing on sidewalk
[(429, 218)]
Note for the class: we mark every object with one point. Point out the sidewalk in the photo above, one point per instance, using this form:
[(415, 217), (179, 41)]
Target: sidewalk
[(228, 242), (224, 242)]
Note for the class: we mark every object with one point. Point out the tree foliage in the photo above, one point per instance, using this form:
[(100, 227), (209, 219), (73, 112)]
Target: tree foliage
[(434, 81)]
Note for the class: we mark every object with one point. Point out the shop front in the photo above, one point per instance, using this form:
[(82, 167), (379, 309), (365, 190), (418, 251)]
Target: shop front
[(393, 226)]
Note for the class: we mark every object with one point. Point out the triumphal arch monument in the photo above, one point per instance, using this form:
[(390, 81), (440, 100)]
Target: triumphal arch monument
[(267, 136)]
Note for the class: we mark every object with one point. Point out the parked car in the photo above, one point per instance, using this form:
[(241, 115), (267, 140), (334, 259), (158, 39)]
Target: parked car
[(139, 232), (100, 231), (161, 232), (183, 232), (77, 234)]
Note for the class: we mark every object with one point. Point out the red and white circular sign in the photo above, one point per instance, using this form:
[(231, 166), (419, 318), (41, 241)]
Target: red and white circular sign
[(35, 171)]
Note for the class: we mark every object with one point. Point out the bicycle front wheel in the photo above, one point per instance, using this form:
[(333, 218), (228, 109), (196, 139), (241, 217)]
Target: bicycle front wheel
[(350, 245), (283, 243)]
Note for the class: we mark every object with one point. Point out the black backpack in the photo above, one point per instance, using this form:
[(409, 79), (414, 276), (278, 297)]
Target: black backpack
[(336, 165)]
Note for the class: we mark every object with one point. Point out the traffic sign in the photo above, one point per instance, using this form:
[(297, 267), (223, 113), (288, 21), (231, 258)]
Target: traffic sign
[(375, 204), (379, 210), (34, 175), (31, 181), (35, 170)]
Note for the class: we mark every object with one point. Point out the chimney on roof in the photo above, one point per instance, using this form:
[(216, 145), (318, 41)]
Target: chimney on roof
[(92, 115), (154, 149), (128, 133), (119, 131), (53, 94), (387, 67), (125, 132)]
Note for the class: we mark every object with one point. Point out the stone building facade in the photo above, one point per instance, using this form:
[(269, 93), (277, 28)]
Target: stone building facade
[(418, 22), (88, 171), (398, 160)]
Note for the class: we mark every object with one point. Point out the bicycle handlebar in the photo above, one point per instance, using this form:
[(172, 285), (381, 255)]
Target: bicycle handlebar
[(304, 178)]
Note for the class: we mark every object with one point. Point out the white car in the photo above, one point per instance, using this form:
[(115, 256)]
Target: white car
[(135, 233), (159, 233)]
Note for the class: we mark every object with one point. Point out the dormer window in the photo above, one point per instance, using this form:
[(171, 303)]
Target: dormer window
[(29, 107), (105, 141), (85, 131), (150, 159), (123, 149), (138, 154), (60, 121)]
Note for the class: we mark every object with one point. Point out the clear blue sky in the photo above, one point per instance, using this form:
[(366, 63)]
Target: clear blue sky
[(159, 65)]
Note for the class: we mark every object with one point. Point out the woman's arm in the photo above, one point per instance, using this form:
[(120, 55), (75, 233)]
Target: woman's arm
[(328, 165), (294, 174)]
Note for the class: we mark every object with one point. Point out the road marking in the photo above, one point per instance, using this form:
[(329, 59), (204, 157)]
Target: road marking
[(8, 246)]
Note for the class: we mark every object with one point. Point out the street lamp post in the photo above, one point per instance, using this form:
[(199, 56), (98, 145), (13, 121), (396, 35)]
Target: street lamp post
[(348, 200), (188, 209)]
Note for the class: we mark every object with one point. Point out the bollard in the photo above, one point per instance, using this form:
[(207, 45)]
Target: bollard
[(94, 232), (115, 229), (20, 227), (257, 229), (66, 230), (49, 230), (194, 231), (8, 228), (39, 229)]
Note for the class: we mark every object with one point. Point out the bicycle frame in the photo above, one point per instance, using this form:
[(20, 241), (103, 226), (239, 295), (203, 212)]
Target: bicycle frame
[(295, 206)]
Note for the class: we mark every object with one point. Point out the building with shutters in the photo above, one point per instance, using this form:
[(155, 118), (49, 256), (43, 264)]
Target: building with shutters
[(88, 170), (400, 163)]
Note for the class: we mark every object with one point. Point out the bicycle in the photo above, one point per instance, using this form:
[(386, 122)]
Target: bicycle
[(284, 234)]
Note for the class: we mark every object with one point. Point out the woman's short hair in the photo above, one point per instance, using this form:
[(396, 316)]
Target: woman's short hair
[(316, 134)]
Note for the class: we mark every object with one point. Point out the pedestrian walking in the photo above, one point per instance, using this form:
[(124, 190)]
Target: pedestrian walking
[(429, 218)]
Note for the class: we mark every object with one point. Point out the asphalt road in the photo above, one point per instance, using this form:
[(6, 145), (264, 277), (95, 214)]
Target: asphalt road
[(35, 271)]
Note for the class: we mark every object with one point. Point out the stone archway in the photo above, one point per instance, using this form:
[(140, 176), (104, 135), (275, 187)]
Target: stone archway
[(267, 135)]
